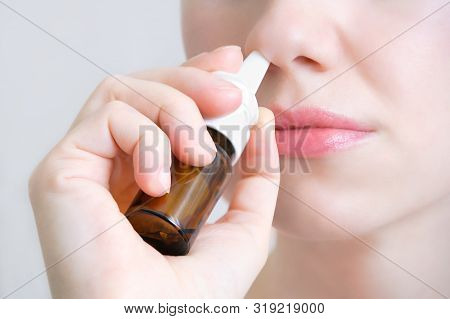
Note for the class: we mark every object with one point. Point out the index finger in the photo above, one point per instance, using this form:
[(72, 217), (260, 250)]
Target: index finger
[(213, 95)]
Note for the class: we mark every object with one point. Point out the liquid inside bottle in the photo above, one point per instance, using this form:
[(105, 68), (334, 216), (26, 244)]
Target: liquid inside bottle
[(171, 223)]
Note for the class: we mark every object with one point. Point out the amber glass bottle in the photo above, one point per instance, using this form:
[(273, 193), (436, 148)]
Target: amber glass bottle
[(171, 223)]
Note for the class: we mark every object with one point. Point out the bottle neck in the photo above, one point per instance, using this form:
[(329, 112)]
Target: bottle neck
[(223, 142)]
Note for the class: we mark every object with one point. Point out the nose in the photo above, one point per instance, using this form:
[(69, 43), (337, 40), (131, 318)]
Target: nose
[(295, 36)]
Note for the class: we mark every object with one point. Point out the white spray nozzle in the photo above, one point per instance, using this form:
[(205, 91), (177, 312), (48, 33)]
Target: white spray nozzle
[(253, 70), (235, 125)]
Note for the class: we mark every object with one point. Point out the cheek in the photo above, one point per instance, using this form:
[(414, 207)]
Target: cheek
[(405, 169), (420, 104), (193, 20), (208, 24)]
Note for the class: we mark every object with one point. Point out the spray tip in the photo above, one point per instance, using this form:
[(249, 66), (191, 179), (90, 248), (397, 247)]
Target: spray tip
[(253, 70)]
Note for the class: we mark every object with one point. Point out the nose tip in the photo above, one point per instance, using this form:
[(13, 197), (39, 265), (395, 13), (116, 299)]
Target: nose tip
[(293, 36)]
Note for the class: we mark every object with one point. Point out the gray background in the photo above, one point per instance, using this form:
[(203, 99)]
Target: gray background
[(43, 85)]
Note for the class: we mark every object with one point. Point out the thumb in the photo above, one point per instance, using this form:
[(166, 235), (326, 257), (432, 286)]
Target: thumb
[(238, 243), (253, 202)]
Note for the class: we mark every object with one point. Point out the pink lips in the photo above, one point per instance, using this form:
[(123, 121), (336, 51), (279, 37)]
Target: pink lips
[(310, 132)]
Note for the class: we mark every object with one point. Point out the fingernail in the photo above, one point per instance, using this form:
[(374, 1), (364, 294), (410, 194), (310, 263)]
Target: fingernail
[(226, 87), (194, 57), (200, 55), (221, 84), (265, 119), (164, 180)]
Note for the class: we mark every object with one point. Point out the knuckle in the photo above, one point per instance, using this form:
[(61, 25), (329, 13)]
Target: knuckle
[(55, 180), (177, 98), (47, 178), (109, 82), (115, 105), (115, 109)]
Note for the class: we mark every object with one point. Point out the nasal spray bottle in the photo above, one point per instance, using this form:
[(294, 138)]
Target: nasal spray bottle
[(171, 223)]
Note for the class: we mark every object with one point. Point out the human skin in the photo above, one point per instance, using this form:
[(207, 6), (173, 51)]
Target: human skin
[(81, 188), (387, 191), (392, 190)]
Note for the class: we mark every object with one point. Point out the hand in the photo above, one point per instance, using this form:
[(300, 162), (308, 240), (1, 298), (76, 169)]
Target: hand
[(82, 187)]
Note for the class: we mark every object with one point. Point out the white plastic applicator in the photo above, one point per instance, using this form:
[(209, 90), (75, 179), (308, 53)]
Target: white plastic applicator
[(236, 125)]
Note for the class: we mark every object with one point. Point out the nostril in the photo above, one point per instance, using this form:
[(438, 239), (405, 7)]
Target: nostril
[(272, 68), (308, 62)]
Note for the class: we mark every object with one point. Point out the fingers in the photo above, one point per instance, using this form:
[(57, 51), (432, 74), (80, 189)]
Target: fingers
[(81, 227), (212, 95), (113, 129), (177, 99), (173, 111), (227, 58)]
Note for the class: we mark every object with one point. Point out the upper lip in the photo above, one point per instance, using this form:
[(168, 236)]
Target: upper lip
[(315, 117)]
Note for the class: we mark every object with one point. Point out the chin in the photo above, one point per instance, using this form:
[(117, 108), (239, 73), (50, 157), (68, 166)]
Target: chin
[(337, 198), (326, 218)]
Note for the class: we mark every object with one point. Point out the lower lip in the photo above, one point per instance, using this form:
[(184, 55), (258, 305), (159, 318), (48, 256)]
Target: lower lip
[(316, 142)]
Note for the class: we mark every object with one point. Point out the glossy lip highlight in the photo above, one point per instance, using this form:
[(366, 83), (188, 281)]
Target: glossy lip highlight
[(311, 132)]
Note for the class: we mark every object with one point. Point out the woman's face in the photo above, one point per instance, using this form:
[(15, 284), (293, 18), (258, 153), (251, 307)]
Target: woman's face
[(392, 159)]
